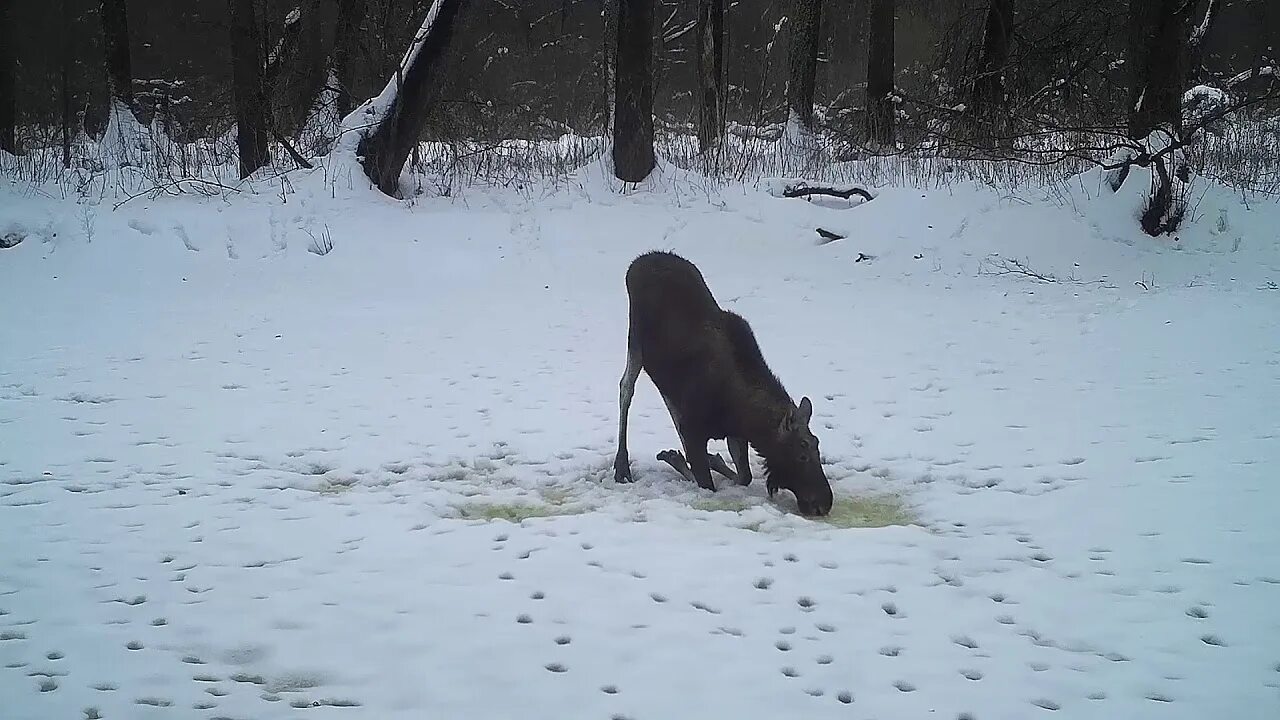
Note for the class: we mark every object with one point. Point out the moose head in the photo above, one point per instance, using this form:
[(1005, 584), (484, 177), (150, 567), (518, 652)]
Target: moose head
[(794, 462)]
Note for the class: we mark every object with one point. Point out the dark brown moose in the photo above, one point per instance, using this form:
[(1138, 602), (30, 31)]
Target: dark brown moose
[(708, 368)]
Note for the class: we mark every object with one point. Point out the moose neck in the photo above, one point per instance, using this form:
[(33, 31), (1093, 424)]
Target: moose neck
[(764, 410)]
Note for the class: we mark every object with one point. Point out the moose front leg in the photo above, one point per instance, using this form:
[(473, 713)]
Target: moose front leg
[(696, 452), (626, 391), (741, 459), (718, 464)]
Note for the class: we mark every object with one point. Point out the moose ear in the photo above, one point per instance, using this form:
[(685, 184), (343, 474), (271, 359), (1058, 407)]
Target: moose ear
[(804, 412)]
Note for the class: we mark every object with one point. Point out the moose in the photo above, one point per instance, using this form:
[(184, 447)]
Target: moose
[(712, 376)]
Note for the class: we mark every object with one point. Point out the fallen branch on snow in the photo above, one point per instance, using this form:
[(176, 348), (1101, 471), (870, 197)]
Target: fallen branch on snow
[(806, 190), (1011, 266), (828, 236), (174, 187)]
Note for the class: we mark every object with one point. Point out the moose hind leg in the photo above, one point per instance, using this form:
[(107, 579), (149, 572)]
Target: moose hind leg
[(718, 464), (626, 391), (676, 461), (741, 459)]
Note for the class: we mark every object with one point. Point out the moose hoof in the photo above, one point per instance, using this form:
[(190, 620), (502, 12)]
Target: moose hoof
[(671, 457), (622, 469)]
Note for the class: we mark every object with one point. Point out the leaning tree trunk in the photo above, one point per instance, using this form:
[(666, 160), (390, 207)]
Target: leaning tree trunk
[(633, 156), (1158, 66), (880, 67), (988, 99), (115, 37), (802, 59), (409, 97), (350, 18), (8, 74), (247, 84), (710, 72)]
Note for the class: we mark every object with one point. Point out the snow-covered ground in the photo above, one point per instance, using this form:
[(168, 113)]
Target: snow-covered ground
[(239, 479)]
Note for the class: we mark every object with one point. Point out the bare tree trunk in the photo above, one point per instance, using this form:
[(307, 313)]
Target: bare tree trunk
[(410, 97), (8, 75), (295, 68), (880, 71), (1158, 65), (350, 18), (633, 157), (988, 99), (64, 73), (609, 61), (802, 59), (115, 36), (247, 83), (710, 72)]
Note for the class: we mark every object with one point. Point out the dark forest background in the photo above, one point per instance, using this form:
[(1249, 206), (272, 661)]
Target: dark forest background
[(533, 68), (1178, 88)]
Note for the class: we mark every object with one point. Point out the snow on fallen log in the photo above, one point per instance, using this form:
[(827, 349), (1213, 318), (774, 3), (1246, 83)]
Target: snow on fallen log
[(795, 188)]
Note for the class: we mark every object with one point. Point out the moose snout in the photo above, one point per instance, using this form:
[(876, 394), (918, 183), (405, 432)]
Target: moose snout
[(814, 504)]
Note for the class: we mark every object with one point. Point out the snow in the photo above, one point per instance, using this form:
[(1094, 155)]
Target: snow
[(240, 477)]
